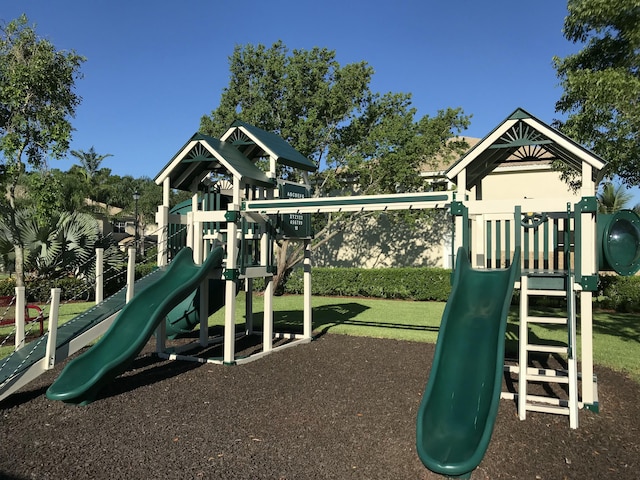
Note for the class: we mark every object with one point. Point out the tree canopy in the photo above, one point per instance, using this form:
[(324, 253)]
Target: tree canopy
[(362, 141), (37, 100), (601, 82)]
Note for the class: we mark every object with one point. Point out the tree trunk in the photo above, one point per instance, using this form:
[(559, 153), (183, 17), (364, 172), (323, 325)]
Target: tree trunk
[(282, 265), (19, 252), (18, 247)]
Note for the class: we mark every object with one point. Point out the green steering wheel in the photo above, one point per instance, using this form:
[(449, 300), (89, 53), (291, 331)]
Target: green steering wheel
[(533, 220)]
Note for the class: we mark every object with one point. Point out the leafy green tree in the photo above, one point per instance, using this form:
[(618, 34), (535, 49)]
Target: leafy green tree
[(613, 198), (37, 99), (362, 140), (601, 82)]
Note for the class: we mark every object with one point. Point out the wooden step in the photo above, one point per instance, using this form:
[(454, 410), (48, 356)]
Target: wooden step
[(547, 348), (547, 378), (547, 320), (547, 409), (546, 293)]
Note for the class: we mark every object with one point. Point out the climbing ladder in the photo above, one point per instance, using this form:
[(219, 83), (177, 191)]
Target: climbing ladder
[(550, 284)]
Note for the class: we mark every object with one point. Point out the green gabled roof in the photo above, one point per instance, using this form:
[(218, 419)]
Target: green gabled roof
[(203, 154), (521, 137), (272, 144)]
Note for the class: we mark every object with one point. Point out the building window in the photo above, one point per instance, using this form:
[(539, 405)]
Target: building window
[(119, 227)]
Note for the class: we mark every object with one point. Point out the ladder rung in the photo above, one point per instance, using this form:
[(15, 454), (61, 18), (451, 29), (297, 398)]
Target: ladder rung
[(548, 409), (554, 320), (547, 348), (547, 293), (549, 372), (547, 378)]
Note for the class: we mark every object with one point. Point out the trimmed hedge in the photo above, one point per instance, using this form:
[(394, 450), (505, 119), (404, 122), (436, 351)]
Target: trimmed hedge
[(433, 284), (621, 294), (393, 283), (40, 290)]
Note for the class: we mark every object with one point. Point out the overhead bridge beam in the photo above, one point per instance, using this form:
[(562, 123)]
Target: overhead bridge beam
[(361, 203)]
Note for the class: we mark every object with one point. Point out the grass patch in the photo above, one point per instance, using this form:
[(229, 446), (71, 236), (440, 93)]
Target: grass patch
[(66, 312), (616, 339)]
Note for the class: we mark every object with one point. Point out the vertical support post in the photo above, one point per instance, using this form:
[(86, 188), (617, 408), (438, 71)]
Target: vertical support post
[(204, 313), (190, 230), (572, 353), (267, 323), (477, 260), (162, 219), (586, 334), (523, 340), (99, 275), (308, 311), (53, 329), (248, 295), (230, 290), (20, 316), (131, 273)]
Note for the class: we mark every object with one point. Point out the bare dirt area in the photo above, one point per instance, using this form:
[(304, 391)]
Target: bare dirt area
[(339, 407)]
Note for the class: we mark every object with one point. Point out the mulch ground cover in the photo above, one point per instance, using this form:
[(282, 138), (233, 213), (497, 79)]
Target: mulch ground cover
[(340, 407)]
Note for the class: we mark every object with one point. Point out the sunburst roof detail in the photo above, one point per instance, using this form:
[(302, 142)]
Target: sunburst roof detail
[(522, 138), (203, 154)]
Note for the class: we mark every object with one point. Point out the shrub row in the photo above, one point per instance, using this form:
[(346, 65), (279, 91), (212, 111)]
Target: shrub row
[(392, 283), (621, 294), (40, 290), (433, 284)]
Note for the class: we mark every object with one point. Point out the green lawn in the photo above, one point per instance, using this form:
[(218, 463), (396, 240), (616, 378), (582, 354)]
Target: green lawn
[(616, 335)]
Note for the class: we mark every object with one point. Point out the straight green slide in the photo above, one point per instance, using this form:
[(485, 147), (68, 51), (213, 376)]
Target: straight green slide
[(460, 403), (83, 377)]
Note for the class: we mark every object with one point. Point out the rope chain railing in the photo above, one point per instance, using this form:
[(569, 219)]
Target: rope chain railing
[(81, 291)]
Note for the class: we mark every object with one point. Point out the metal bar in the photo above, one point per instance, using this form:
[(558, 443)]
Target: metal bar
[(409, 201), (499, 244), (488, 246)]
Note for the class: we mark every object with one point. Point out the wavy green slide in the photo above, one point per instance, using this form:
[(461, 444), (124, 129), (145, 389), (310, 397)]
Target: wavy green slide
[(460, 404), (84, 376)]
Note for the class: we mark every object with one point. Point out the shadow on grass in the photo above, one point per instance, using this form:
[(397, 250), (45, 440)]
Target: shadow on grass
[(327, 316), (621, 325)]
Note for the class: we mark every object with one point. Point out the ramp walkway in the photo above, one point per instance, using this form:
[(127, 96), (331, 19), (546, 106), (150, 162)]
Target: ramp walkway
[(29, 362)]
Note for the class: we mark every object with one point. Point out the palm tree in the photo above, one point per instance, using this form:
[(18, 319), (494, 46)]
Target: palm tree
[(613, 198), (90, 161), (63, 245)]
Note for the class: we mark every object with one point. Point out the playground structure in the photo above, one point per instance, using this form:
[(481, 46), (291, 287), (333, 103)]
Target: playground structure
[(242, 209)]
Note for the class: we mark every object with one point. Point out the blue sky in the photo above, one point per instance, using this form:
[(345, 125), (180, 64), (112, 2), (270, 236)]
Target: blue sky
[(155, 67)]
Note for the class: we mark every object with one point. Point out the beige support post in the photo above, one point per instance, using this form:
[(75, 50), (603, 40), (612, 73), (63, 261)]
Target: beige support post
[(307, 309), (190, 230), (99, 275), (50, 354), (162, 219), (589, 267), (229, 351), (267, 323), (248, 310), (478, 260), (20, 317), (523, 340), (131, 273), (586, 334)]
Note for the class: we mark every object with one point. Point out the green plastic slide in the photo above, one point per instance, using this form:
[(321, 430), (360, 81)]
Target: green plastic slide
[(186, 315), (460, 403), (84, 376)]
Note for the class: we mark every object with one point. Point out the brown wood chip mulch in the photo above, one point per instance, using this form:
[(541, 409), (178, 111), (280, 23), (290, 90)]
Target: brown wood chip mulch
[(338, 408)]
